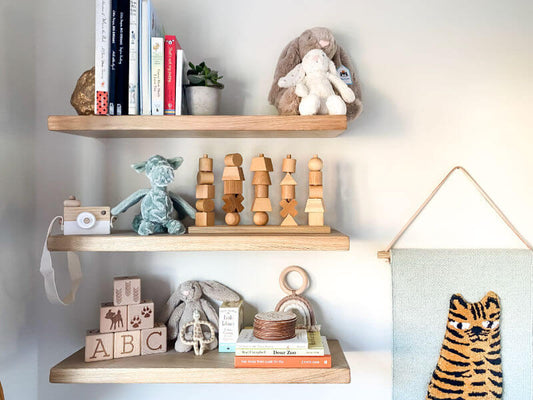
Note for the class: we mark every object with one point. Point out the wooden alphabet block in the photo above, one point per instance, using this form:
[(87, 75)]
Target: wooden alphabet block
[(205, 218), (233, 174), (315, 206), (316, 219), (261, 163), (316, 192), (205, 192), (98, 346), (154, 340), (315, 178), (127, 344), (261, 190), (126, 290), (205, 178), (261, 178), (205, 164), (233, 160), (206, 205), (261, 204), (113, 318), (232, 187), (141, 316)]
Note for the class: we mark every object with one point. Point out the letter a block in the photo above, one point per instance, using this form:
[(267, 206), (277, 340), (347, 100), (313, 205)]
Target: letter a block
[(126, 290), (112, 318), (127, 344), (154, 340), (98, 346)]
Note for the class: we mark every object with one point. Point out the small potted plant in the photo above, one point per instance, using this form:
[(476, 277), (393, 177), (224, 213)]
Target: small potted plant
[(203, 91)]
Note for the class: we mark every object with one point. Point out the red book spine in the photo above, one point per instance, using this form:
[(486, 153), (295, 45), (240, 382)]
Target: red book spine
[(170, 75), (283, 361)]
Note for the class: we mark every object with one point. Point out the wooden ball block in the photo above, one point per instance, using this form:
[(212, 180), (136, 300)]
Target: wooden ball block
[(205, 164), (98, 346), (232, 219), (261, 178), (288, 192), (261, 204), (126, 290), (232, 187), (316, 192), (127, 344), (206, 205), (314, 205), (205, 219), (154, 340), (205, 192), (315, 163), (289, 164), (261, 190), (315, 178), (316, 219), (261, 163), (260, 218), (233, 160), (233, 174), (141, 316), (205, 178), (113, 318)]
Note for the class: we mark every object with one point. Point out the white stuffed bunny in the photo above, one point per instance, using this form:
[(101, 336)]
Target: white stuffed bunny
[(313, 79)]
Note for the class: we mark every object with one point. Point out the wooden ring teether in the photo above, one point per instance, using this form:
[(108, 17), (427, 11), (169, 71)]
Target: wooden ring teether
[(286, 288)]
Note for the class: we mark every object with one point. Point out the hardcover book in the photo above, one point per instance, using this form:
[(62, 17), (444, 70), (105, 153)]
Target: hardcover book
[(229, 325), (113, 58), (316, 348), (133, 77), (101, 56), (247, 340), (170, 75), (122, 69), (157, 76)]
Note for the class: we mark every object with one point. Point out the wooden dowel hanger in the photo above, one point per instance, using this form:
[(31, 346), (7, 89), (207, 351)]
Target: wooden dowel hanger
[(386, 254)]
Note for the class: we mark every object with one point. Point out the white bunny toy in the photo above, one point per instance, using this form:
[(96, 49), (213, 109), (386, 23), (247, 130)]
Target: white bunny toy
[(313, 79)]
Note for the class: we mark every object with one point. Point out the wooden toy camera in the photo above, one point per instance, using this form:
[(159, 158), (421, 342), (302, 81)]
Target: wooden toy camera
[(79, 220)]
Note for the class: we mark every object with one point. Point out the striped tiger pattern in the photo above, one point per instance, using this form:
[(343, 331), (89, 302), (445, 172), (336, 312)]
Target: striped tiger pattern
[(470, 366)]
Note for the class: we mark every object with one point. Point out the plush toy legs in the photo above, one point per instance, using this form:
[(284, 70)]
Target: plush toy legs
[(336, 105), (144, 228), (310, 105), (175, 227)]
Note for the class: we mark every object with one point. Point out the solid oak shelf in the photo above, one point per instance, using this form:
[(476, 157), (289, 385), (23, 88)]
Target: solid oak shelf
[(198, 126), (212, 367), (130, 241)]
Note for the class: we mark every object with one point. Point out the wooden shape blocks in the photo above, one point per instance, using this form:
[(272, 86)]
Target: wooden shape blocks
[(154, 340), (113, 318), (126, 290), (232, 177), (205, 192), (98, 346), (315, 203), (288, 192), (261, 166), (141, 316)]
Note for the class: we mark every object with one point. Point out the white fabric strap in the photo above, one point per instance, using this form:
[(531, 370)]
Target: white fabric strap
[(48, 273)]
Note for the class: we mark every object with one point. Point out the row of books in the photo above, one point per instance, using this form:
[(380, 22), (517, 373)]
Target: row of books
[(138, 70), (306, 350)]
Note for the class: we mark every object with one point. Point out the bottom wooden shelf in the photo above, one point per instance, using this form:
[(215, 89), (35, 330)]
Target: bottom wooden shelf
[(212, 367)]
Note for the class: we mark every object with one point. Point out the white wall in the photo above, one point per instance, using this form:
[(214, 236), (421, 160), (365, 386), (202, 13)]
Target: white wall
[(443, 83)]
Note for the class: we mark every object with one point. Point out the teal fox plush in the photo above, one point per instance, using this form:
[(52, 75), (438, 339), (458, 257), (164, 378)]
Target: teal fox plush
[(161, 209)]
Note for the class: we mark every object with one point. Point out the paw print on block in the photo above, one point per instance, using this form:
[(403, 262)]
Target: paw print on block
[(146, 312), (135, 322)]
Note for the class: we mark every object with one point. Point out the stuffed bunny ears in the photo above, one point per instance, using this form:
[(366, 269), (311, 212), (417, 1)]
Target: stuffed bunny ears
[(217, 291)]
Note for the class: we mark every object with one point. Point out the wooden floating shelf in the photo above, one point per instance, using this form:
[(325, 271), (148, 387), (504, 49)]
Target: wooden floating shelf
[(130, 241), (253, 229), (198, 126), (212, 367)]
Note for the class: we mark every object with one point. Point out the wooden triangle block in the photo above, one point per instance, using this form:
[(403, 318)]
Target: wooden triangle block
[(288, 180), (315, 206), (233, 174), (289, 221), (261, 204)]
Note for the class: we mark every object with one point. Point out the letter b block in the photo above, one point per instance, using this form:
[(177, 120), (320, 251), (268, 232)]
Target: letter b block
[(98, 346), (127, 344), (154, 340)]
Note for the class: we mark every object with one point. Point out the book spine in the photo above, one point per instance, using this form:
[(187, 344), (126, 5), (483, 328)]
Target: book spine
[(113, 57), (133, 73), (283, 362), (170, 75), (101, 57), (279, 352), (157, 76), (180, 72), (229, 323), (144, 66), (121, 96)]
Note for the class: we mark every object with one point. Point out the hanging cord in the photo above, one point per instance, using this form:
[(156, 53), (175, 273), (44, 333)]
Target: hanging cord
[(385, 254)]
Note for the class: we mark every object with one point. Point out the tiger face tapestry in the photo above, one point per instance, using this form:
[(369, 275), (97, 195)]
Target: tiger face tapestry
[(470, 364)]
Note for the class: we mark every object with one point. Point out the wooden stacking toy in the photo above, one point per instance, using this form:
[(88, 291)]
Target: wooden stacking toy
[(233, 177), (127, 326), (315, 203), (288, 201), (261, 167), (205, 193)]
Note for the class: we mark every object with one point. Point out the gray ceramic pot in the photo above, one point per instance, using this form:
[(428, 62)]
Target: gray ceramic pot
[(203, 100)]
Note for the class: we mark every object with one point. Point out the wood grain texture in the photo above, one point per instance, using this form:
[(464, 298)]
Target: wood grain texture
[(247, 229), (130, 241), (196, 126), (212, 367)]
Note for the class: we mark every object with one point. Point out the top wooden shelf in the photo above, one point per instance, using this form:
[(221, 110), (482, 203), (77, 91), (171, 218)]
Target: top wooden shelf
[(197, 126)]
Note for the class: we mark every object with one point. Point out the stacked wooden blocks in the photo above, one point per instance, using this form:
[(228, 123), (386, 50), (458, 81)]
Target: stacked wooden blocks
[(261, 167), (127, 326), (205, 192), (233, 177), (288, 201), (315, 204)]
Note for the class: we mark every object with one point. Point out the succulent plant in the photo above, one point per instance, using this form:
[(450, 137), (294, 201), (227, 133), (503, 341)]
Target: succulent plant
[(202, 75)]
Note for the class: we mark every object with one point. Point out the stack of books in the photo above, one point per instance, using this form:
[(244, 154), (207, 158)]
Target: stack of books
[(138, 70), (306, 350)]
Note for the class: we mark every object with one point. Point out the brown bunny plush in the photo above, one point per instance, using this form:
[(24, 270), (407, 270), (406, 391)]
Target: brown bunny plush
[(285, 99)]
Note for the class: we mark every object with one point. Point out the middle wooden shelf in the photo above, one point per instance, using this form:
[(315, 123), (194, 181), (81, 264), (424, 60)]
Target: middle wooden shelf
[(130, 241)]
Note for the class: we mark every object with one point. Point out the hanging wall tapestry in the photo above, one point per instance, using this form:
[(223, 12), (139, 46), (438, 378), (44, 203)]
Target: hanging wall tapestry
[(462, 320)]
